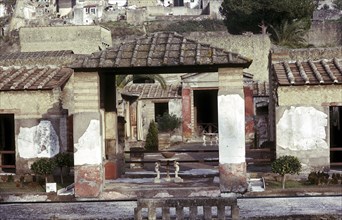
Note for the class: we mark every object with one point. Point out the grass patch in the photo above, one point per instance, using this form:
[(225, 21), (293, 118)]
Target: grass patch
[(25, 187), (273, 184)]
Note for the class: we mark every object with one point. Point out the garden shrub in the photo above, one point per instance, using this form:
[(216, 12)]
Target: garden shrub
[(151, 143), (319, 178), (286, 165), (63, 159), (44, 167), (336, 178), (168, 122)]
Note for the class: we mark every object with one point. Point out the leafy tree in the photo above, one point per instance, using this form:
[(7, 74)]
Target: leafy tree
[(44, 167), (151, 143), (286, 165), (338, 4), (255, 15), (63, 160)]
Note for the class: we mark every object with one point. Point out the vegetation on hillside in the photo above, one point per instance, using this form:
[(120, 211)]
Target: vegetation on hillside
[(121, 29), (204, 25), (257, 15)]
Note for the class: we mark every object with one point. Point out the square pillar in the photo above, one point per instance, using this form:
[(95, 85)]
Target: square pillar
[(186, 113), (88, 156), (231, 120)]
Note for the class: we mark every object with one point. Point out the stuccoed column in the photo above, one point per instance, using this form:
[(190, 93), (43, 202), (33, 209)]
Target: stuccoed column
[(88, 135), (231, 120)]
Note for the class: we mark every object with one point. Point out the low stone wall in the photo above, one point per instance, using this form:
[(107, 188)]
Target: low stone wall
[(279, 55), (192, 203)]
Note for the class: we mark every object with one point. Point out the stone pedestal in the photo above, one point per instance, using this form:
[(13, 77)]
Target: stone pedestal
[(111, 170), (233, 178), (88, 181)]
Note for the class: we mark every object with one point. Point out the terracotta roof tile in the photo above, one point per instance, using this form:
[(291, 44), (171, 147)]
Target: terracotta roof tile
[(308, 72), (33, 78), (37, 58), (152, 91), (160, 49)]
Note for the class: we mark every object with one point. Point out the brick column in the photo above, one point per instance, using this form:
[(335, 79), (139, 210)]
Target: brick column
[(186, 113), (231, 120)]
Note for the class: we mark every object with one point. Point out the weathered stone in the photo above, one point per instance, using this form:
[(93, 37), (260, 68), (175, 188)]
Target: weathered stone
[(88, 181), (233, 178)]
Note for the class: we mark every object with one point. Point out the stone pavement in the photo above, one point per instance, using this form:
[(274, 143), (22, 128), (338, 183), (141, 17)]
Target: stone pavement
[(329, 207)]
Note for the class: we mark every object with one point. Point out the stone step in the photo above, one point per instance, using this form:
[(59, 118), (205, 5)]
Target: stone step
[(256, 185)]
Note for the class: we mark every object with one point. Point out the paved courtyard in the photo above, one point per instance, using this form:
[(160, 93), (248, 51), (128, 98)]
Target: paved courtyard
[(250, 208)]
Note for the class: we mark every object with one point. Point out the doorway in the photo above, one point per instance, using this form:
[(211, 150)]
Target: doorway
[(160, 108), (7, 143), (205, 110), (335, 136)]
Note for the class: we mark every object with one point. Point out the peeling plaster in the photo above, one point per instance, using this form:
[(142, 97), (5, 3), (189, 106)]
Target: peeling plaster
[(302, 128), (38, 141), (88, 149), (231, 117)]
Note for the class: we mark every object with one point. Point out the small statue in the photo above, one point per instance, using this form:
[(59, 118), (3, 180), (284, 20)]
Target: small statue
[(204, 140), (177, 178), (157, 178)]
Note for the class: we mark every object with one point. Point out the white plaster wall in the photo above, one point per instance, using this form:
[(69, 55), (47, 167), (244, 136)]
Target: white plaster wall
[(302, 132), (175, 107), (231, 117), (202, 80), (38, 141), (2, 10), (88, 149), (302, 128)]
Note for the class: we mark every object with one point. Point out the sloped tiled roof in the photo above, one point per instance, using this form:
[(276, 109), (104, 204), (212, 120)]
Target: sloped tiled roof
[(153, 91), (161, 50), (308, 72), (62, 57), (33, 78)]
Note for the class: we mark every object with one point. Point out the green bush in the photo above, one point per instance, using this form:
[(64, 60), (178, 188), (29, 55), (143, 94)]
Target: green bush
[(286, 165), (151, 143), (44, 167), (64, 160), (168, 123), (320, 177), (336, 178)]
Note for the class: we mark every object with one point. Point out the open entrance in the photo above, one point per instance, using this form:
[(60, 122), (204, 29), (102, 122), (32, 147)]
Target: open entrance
[(205, 111), (336, 136), (7, 143), (159, 109)]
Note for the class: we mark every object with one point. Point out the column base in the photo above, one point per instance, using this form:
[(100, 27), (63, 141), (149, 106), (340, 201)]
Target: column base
[(88, 181), (233, 178)]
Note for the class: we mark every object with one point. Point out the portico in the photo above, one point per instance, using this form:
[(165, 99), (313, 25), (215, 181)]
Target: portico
[(95, 104)]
